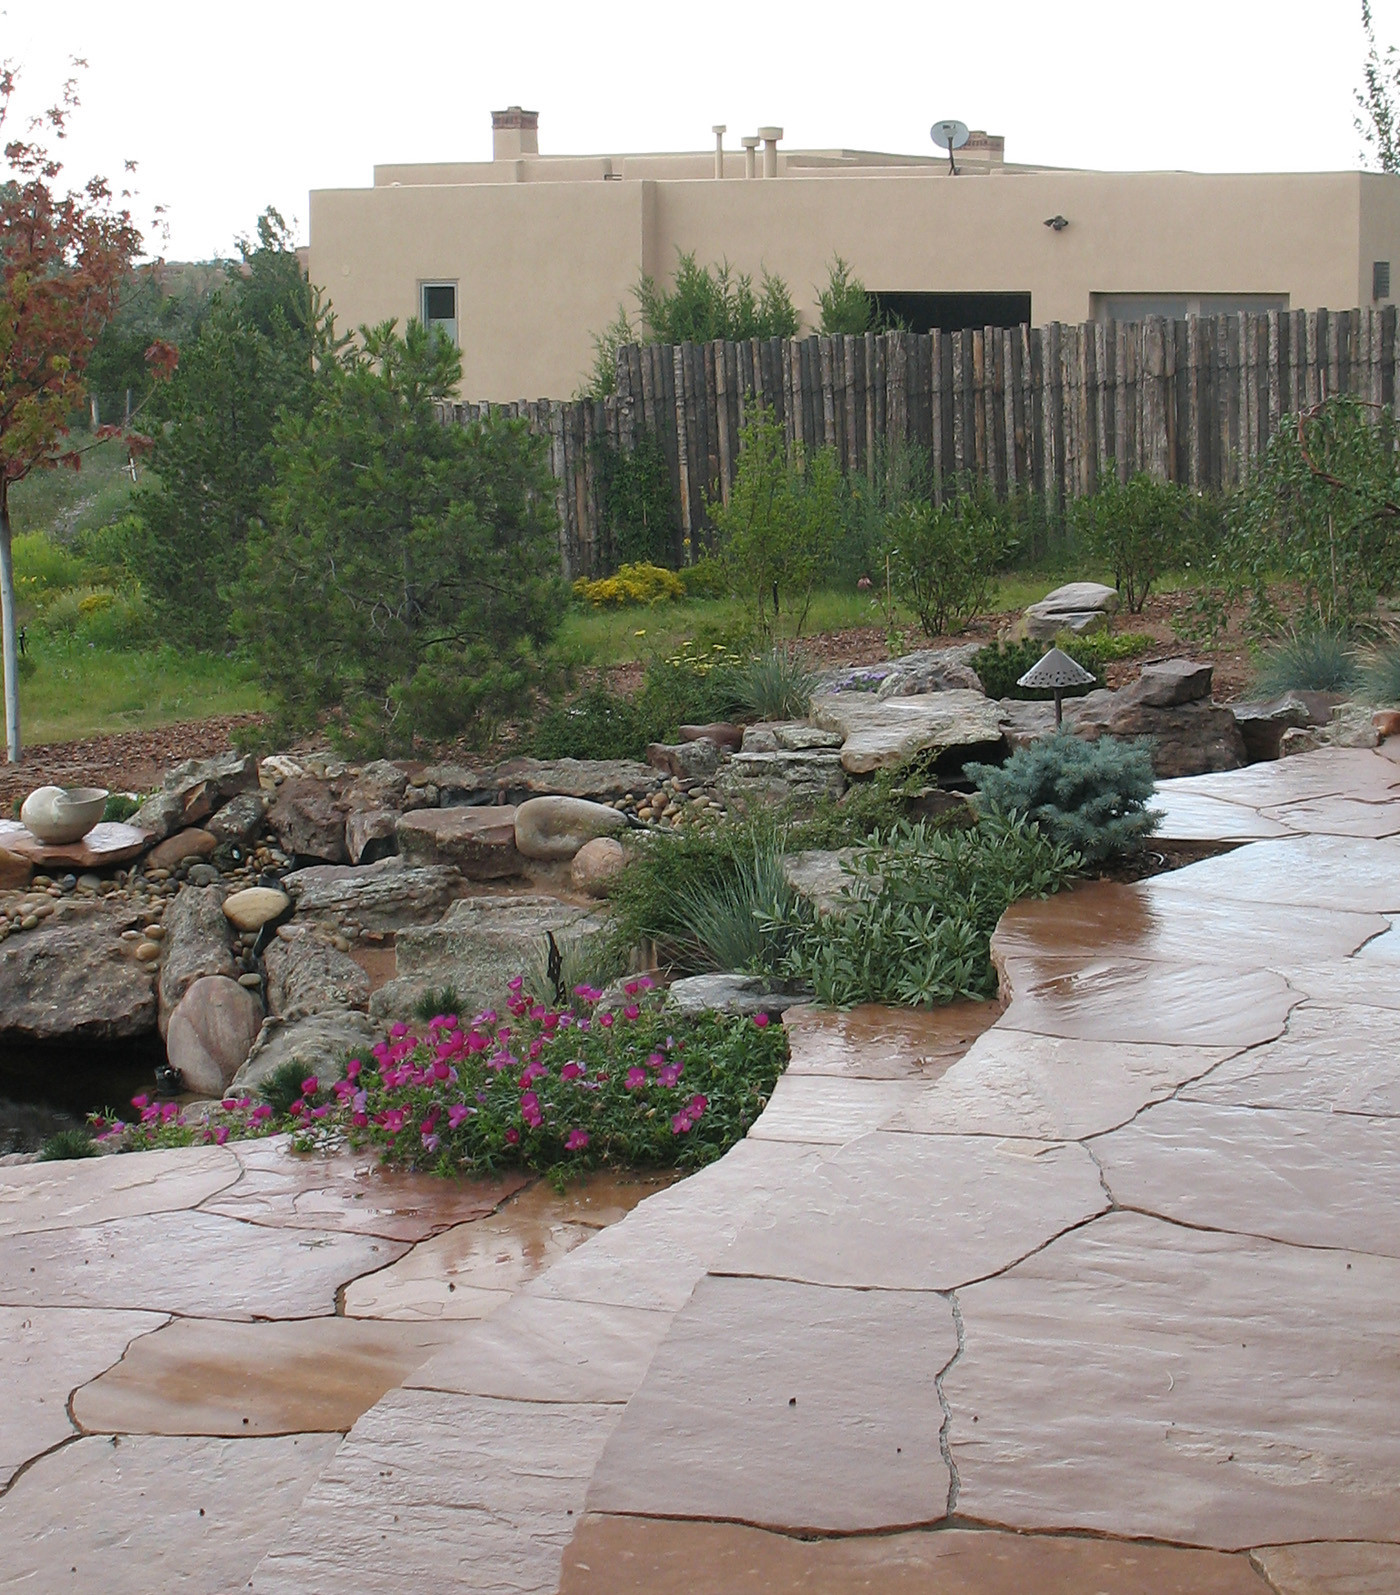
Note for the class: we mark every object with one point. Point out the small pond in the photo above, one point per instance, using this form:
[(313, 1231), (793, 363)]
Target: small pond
[(44, 1089)]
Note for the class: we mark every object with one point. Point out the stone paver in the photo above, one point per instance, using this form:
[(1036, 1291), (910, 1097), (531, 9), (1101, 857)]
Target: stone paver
[(1141, 1379), (873, 1043), (1052, 1088), (196, 1264), (198, 1376), (278, 1188), (443, 1492), (56, 1196), (1195, 1005), (646, 1556), (147, 1513), (1354, 1569), (919, 1212), (1315, 1179), (45, 1352), (473, 1269), (827, 1402)]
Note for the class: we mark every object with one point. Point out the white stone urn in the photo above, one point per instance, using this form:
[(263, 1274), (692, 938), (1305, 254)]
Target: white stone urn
[(60, 814)]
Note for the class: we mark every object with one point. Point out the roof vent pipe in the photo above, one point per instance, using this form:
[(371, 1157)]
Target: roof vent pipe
[(770, 137), (719, 130), (750, 144)]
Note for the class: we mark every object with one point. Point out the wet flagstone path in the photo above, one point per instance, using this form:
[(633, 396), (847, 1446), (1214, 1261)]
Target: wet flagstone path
[(1103, 1298)]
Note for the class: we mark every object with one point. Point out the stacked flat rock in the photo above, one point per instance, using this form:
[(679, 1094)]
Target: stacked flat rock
[(1078, 607)]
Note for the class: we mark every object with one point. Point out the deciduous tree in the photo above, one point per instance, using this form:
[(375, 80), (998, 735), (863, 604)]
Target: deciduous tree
[(63, 256)]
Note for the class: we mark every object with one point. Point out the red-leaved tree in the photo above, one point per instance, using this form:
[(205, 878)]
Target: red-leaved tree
[(63, 256)]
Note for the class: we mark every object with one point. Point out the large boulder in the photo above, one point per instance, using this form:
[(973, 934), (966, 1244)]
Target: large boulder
[(880, 733), (725, 736), (931, 670), (1262, 725), (308, 821), (184, 847), (199, 942), (478, 946), (729, 994), (1168, 682), (479, 841), (689, 761), (239, 820), (320, 1044), (203, 785), (382, 897), (379, 785), (371, 834), (775, 777), (1187, 739), (551, 828), (211, 1033), (160, 815), (73, 979), (822, 877), (1077, 606), (15, 872), (789, 736), (597, 780), (306, 975)]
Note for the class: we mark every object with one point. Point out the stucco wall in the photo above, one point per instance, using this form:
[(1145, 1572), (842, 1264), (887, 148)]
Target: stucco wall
[(542, 265)]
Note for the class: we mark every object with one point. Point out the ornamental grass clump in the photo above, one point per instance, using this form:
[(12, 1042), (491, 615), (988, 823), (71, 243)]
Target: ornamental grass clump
[(1314, 659), (1089, 798), (914, 923)]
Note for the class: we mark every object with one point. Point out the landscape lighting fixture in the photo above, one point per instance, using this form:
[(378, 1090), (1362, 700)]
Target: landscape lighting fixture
[(1054, 672)]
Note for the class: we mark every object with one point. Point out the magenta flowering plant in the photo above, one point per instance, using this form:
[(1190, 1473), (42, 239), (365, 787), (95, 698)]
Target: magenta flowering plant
[(562, 1088), (533, 1086), (157, 1124)]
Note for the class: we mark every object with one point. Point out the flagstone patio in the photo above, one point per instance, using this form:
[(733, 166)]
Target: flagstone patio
[(1103, 1298)]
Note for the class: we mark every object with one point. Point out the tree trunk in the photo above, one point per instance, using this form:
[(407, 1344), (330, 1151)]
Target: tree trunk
[(8, 626)]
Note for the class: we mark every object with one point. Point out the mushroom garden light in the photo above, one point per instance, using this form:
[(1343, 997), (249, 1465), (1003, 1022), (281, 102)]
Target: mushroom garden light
[(1055, 671)]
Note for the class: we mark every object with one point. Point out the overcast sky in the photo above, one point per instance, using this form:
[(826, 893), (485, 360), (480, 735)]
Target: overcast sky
[(228, 109)]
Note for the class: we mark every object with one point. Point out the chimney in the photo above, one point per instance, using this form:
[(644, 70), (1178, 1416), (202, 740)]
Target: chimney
[(770, 137), (750, 143), (719, 131), (514, 133)]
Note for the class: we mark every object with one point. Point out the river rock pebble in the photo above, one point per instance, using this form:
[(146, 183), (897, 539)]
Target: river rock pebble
[(252, 908), (596, 865)]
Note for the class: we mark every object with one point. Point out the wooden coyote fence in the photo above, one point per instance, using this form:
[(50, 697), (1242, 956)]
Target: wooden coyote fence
[(1050, 410)]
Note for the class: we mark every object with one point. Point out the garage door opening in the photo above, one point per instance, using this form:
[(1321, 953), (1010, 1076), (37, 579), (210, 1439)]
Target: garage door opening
[(920, 312)]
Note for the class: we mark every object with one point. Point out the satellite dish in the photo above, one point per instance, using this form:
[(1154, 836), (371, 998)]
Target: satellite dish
[(949, 135)]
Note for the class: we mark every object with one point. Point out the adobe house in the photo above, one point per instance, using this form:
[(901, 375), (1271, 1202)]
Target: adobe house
[(523, 257)]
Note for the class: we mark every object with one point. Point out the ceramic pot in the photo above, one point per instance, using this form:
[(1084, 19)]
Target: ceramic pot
[(61, 814)]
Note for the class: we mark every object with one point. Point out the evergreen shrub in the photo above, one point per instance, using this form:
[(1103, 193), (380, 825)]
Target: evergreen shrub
[(1087, 797)]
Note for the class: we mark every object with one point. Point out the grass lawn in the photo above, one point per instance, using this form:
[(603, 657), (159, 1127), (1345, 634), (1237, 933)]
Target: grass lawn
[(81, 692), (619, 636), (64, 502)]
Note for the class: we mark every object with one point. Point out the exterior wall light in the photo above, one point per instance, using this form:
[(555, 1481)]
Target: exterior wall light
[(1059, 223)]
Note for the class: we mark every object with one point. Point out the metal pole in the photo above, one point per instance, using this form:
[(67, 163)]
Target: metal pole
[(7, 624)]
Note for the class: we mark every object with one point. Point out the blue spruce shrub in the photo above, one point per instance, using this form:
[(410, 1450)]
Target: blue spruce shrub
[(1090, 797)]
